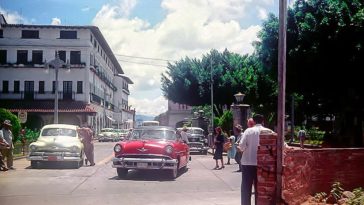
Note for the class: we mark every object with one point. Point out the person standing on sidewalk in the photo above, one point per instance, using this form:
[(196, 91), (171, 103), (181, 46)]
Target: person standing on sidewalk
[(3, 145), (7, 136), (249, 146), (87, 140)]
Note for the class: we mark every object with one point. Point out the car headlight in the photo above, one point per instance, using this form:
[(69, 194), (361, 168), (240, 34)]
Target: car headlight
[(168, 149), (33, 147), (117, 148), (74, 149)]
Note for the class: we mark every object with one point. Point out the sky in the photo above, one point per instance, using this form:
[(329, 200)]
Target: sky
[(146, 34)]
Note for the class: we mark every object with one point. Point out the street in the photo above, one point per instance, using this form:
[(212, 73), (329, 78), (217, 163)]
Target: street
[(100, 185)]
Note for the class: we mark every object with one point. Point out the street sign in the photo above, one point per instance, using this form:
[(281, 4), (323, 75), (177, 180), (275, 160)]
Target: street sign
[(22, 116)]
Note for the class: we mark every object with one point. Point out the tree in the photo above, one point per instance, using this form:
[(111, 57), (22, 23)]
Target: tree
[(6, 115), (325, 46), (188, 80)]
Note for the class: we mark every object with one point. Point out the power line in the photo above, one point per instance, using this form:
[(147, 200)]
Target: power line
[(151, 64), (157, 59)]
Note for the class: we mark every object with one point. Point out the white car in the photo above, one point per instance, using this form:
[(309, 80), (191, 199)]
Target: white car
[(57, 143)]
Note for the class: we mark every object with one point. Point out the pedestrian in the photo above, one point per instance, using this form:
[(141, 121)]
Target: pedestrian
[(302, 137), (87, 140), (184, 135), (219, 143), (249, 146), (3, 145), (237, 132), (7, 136), (232, 151)]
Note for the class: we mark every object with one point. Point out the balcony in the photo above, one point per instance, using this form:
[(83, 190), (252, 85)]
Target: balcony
[(100, 101), (39, 95), (35, 65)]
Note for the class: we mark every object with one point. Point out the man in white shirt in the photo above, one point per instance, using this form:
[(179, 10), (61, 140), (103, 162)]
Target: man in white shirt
[(184, 135), (249, 146)]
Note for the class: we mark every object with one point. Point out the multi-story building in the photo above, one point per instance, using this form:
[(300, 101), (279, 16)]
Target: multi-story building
[(92, 87)]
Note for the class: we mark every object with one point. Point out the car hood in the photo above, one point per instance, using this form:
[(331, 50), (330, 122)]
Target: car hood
[(145, 146), (57, 141)]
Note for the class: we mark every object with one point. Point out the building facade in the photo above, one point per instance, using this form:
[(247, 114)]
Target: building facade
[(176, 115), (92, 87)]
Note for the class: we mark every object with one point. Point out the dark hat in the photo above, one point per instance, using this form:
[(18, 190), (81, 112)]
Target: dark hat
[(7, 122)]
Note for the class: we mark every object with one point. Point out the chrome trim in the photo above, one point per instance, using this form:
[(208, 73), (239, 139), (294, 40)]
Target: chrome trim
[(60, 156), (132, 163)]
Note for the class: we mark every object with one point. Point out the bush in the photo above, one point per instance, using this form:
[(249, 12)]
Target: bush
[(7, 115)]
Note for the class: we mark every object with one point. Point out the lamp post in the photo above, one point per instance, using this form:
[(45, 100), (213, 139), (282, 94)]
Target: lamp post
[(240, 110), (56, 64)]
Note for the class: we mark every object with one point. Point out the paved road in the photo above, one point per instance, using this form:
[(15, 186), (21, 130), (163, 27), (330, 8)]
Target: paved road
[(200, 185)]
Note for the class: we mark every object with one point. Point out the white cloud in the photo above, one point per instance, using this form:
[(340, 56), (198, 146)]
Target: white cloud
[(56, 21), (12, 17), (190, 28), (152, 107), (262, 13)]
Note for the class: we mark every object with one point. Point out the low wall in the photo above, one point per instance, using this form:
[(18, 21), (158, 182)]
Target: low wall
[(306, 171)]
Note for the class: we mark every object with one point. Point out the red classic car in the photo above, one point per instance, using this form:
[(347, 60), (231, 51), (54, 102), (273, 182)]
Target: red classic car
[(151, 147)]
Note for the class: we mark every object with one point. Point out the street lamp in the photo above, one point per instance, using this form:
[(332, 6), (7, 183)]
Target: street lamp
[(239, 97), (56, 64)]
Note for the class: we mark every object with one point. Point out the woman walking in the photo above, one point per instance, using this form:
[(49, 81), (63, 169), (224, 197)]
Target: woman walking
[(86, 138), (219, 144)]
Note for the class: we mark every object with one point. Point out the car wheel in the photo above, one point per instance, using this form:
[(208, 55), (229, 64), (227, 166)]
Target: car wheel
[(34, 164), (122, 172), (204, 152), (174, 172)]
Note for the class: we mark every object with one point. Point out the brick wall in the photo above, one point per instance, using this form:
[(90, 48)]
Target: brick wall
[(306, 171)]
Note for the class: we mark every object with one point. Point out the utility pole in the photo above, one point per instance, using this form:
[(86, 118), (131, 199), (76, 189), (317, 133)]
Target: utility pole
[(281, 93), (212, 97)]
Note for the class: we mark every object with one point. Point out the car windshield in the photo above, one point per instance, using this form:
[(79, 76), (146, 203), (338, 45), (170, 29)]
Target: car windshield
[(107, 130), (195, 131), (153, 134), (58, 132)]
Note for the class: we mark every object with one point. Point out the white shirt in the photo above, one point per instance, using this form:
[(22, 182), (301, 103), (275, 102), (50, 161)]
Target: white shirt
[(249, 144), (184, 136)]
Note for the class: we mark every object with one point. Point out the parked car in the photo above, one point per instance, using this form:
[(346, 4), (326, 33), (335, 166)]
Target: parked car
[(121, 134), (151, 147), (107, 135), (57, 143), (197, 140)]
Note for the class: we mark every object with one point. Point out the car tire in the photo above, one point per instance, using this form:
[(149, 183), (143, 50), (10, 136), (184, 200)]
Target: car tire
[(204, 152), (174, 172), (34, 164), (122, 172)]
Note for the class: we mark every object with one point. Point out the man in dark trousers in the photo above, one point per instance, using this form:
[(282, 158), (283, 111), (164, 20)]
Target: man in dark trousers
[(249, 146), (7, 136)]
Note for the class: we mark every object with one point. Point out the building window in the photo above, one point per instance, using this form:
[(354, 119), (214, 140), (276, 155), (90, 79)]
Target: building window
[(22, 57), (5, 86), (95, 44), (75, 57), (1, 34), (30, 34), (68, 35), (3, 56), (54, 87), (91, 39), (41, 87), (16, 86), (79, 87), (37, 57), (61, 55)]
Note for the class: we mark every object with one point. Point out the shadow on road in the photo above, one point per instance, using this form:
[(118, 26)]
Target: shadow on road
[(148, 175), (53, 165)]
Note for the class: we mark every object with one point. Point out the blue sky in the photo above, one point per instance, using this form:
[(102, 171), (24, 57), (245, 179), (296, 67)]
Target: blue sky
[(163, 29)]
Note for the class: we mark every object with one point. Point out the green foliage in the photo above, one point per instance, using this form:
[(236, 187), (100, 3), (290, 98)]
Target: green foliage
[(325, 44), (225, 121), (188, 81), (31, 135), (358, 198), (336, 191), (6, 115)]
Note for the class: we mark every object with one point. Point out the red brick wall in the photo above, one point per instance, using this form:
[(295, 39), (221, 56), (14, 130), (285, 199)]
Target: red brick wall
[(306, 171)]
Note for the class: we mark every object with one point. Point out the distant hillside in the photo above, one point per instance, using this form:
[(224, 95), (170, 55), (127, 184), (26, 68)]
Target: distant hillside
[(143, 117)]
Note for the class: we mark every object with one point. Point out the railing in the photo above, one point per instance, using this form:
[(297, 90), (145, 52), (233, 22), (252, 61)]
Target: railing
[(38, 95), (35, 65)]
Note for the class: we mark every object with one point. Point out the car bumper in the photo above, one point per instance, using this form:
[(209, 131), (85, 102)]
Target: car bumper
[(44, 156), (197, 147), (143, 163)]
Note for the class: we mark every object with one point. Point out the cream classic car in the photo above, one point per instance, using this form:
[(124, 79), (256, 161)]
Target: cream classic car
[(57, 143)]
